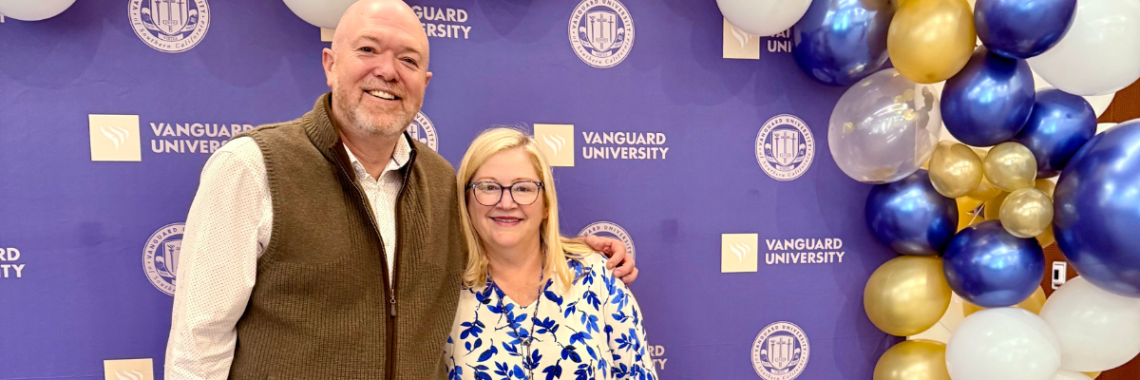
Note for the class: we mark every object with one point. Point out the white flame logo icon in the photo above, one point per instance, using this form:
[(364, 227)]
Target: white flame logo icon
[(740, 35), (117, 135), (740, 250), (129, 375), (555, 142)]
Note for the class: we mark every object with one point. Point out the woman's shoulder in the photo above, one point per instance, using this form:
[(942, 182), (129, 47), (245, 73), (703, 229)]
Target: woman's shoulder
[(591, 264)]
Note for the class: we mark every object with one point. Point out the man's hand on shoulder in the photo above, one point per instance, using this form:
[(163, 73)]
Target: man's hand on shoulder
[(618, 257)]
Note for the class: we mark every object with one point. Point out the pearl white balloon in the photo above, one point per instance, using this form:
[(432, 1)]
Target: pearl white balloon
[(1003, 343), (1098, 330), (1100, 54), (763, 17), (1099, 103), (1070, 375), (1101, 127), (33, 10), (322, 13)]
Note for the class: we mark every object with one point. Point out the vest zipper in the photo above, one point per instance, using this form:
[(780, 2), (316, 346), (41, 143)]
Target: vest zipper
[(396, 263), (390, 323)]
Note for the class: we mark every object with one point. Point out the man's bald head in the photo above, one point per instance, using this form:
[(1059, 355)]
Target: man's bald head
[(395, 13), (377, 68)]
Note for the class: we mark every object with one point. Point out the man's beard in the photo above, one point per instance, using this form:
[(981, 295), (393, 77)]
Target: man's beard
[(373, 124)]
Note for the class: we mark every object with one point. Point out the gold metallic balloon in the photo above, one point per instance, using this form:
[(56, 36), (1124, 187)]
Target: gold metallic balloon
[(1033, 304), (1046, 238), (992, 210), (931, 40), (1010, 166), (955, 169), (985, 190), (907, 295), (1027, 213), (969, 212), (1092, 374), (919, 359)]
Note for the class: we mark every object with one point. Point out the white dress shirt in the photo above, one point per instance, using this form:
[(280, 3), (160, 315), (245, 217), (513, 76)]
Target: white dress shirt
[(227, 230)]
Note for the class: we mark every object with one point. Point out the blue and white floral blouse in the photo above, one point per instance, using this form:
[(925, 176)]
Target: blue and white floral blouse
[(592, 332)]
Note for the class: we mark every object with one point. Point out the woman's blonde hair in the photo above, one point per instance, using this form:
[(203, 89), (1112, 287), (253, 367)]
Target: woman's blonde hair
[(557, 247)]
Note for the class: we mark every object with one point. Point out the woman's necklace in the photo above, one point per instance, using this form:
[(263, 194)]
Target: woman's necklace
[(514, 325)]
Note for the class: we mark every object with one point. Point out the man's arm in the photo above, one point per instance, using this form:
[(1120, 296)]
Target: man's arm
[(226, 230), (615, 249)]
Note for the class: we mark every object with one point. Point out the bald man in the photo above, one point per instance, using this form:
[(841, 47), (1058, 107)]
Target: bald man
[(329, 247)]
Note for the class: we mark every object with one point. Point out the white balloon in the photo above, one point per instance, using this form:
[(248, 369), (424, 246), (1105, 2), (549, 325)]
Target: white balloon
[(1100, 54), (1003, 343), (1099, 103), (322, 13), (1101, 127), (1070, 375), (1098, 330), (763, 17), (33, 10)]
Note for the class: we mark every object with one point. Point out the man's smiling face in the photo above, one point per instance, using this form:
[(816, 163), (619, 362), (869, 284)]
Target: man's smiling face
[(377, 67)]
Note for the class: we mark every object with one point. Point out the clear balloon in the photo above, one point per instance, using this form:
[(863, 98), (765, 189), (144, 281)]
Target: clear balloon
[(1059, 125), (1100, 54), (1021, 28), (1097, 210), (839, 42), (989, 267), (913, 360), (906, 295), (989, 100), (322, 13), (1010, 166), (763, 17), (930, 40), (1003, 343), (33, 10), (955, 169), (969, 212), (911, 217), (884, 128), (1026, 213), (1097, 330)]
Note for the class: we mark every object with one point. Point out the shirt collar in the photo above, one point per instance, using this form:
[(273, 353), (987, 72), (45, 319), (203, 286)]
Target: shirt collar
[(399, 157)]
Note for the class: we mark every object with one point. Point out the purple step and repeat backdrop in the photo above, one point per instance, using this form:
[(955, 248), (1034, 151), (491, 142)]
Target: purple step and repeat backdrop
[(702, 147)]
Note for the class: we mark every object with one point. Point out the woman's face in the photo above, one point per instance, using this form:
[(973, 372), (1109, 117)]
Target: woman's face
[(506, 224)]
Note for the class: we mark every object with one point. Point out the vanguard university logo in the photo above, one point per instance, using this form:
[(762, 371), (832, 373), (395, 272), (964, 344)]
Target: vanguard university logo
[(170, 26), (780, 351), (611, 229), (423, 130), (785, 147), (160, 256), (601, 32)]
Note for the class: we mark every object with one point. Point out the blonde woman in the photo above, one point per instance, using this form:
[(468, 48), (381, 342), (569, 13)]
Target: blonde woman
[(535, 304)]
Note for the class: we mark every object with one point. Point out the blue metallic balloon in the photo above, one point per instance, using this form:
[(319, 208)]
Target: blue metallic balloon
[(911, 217), (1096, 210), (991, 268), (989, 100), (839, 42), (1022, 28), (1059, 125)]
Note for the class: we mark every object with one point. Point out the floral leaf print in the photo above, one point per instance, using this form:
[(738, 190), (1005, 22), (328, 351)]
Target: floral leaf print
[(518, 372), (503, 370), (579, 337), (570, 309), (592, 299), (472, 329), (592, 324), (583, 372), (571, 353), (553, 371), (488, 353), (624, 342), (590, 350), (533, 360), (455, 373)]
